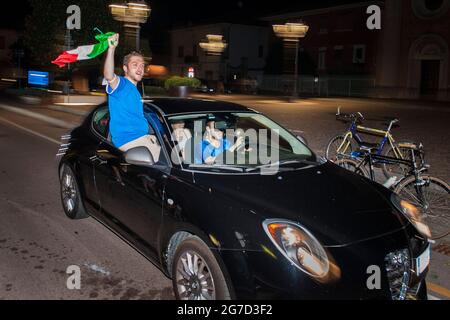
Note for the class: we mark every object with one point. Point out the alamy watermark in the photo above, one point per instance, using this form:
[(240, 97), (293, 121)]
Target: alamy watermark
[(374, 280), (374, 20), (74, 280), (73, 22), (250, 147)]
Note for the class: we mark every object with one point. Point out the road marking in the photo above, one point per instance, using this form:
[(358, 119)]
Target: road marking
[(30, 131), (438, 289), (35, 115)]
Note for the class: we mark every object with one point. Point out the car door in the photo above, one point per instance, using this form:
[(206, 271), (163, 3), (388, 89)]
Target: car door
[(88, 140), (131, 196)]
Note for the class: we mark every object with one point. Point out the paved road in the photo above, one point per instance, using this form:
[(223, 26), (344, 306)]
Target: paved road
[(37, 243)]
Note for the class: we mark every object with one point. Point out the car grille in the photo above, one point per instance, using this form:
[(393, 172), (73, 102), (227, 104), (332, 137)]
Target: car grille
[(398, 269)]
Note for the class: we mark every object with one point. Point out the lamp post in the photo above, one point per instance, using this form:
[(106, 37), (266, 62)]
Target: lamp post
[(291, 34), (214, 45), (132, 14)]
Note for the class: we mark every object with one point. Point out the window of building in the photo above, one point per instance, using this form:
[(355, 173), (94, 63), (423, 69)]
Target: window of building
[(338, 52), (322, 59), (359, 53), (430, 9), (261, 52), (180, 52), (433, 5)]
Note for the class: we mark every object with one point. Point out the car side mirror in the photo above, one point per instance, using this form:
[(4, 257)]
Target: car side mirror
[(302, 140), (139, 156)]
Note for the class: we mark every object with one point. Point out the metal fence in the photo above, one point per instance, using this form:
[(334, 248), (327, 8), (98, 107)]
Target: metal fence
[(319, 86)]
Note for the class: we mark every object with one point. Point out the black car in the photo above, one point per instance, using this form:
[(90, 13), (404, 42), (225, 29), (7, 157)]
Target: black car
[(238, 229)]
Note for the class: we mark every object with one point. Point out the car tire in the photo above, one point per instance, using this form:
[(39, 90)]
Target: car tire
[(423, 292), (70, 194), (196, 274)]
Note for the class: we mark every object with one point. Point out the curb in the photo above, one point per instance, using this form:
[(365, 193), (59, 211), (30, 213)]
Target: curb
[(35, 115)]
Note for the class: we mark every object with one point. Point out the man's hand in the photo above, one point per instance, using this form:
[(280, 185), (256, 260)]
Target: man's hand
[(108, 69), (239, 142), (113, 41)]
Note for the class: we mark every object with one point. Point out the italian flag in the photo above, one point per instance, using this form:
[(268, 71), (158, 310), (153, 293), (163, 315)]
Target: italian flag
[(84, 52)]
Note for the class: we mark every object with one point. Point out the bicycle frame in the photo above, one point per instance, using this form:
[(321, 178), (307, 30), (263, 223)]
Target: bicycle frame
[(371, 159), (354, 130)]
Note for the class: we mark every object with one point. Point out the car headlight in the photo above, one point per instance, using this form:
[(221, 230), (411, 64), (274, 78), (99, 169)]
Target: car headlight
[(412, 213), (299, 246)]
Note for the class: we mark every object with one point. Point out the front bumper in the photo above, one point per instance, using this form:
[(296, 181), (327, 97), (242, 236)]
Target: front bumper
[(361, 272)]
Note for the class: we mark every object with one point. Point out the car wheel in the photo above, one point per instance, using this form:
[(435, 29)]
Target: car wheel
[(196, 274), (70, 194)]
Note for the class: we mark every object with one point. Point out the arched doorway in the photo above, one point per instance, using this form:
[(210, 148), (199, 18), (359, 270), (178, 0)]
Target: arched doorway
[(428, 67)]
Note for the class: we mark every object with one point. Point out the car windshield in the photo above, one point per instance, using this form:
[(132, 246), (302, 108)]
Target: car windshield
[(236, 141)]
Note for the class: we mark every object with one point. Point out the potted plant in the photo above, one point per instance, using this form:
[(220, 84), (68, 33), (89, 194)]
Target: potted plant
[(180, 86)]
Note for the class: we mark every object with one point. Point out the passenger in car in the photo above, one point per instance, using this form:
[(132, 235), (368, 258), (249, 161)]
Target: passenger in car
[(213, 145), (181, 135)]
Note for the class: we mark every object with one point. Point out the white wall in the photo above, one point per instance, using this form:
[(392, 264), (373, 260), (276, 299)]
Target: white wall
[(243, 41)]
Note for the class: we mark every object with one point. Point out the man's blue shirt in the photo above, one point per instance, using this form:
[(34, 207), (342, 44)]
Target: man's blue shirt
[(127, 121), (204, 150)]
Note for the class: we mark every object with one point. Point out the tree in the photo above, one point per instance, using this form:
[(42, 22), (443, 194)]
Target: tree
[(46, 27)]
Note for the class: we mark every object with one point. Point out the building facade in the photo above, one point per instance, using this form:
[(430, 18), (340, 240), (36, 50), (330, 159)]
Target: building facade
[(407, 58), (244, 56), (337, 42), (413, 60)]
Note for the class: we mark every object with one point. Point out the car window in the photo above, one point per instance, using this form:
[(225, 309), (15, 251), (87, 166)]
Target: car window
[(245, 140), (100, 121)]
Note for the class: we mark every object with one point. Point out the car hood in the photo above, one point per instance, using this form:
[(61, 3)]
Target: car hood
[(337, 206)]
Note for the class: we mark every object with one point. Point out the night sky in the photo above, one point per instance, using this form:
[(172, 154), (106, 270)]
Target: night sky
[(167, 13), (170, 13)]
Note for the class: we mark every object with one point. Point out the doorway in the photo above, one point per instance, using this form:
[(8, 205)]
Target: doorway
[(429, 79)]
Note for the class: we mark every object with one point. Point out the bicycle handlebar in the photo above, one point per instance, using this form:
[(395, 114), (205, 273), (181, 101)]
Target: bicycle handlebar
[(358, 116)]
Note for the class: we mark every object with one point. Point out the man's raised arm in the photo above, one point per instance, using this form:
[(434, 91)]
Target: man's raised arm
[(108, 70)]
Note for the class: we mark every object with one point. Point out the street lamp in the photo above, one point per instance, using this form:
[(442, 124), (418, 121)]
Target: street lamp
[(291, 34), (214, 45), (132, 14)]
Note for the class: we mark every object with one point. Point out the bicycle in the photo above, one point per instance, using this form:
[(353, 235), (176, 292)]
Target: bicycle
[(343, 143), (429, 193)]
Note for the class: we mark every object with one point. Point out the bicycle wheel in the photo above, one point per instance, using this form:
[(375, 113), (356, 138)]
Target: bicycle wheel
[(338, 145), (352, 166), (434, 202), (396, 169)]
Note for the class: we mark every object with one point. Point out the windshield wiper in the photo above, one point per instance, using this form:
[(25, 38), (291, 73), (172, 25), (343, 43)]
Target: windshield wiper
[(216, 166), (282, 163)]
